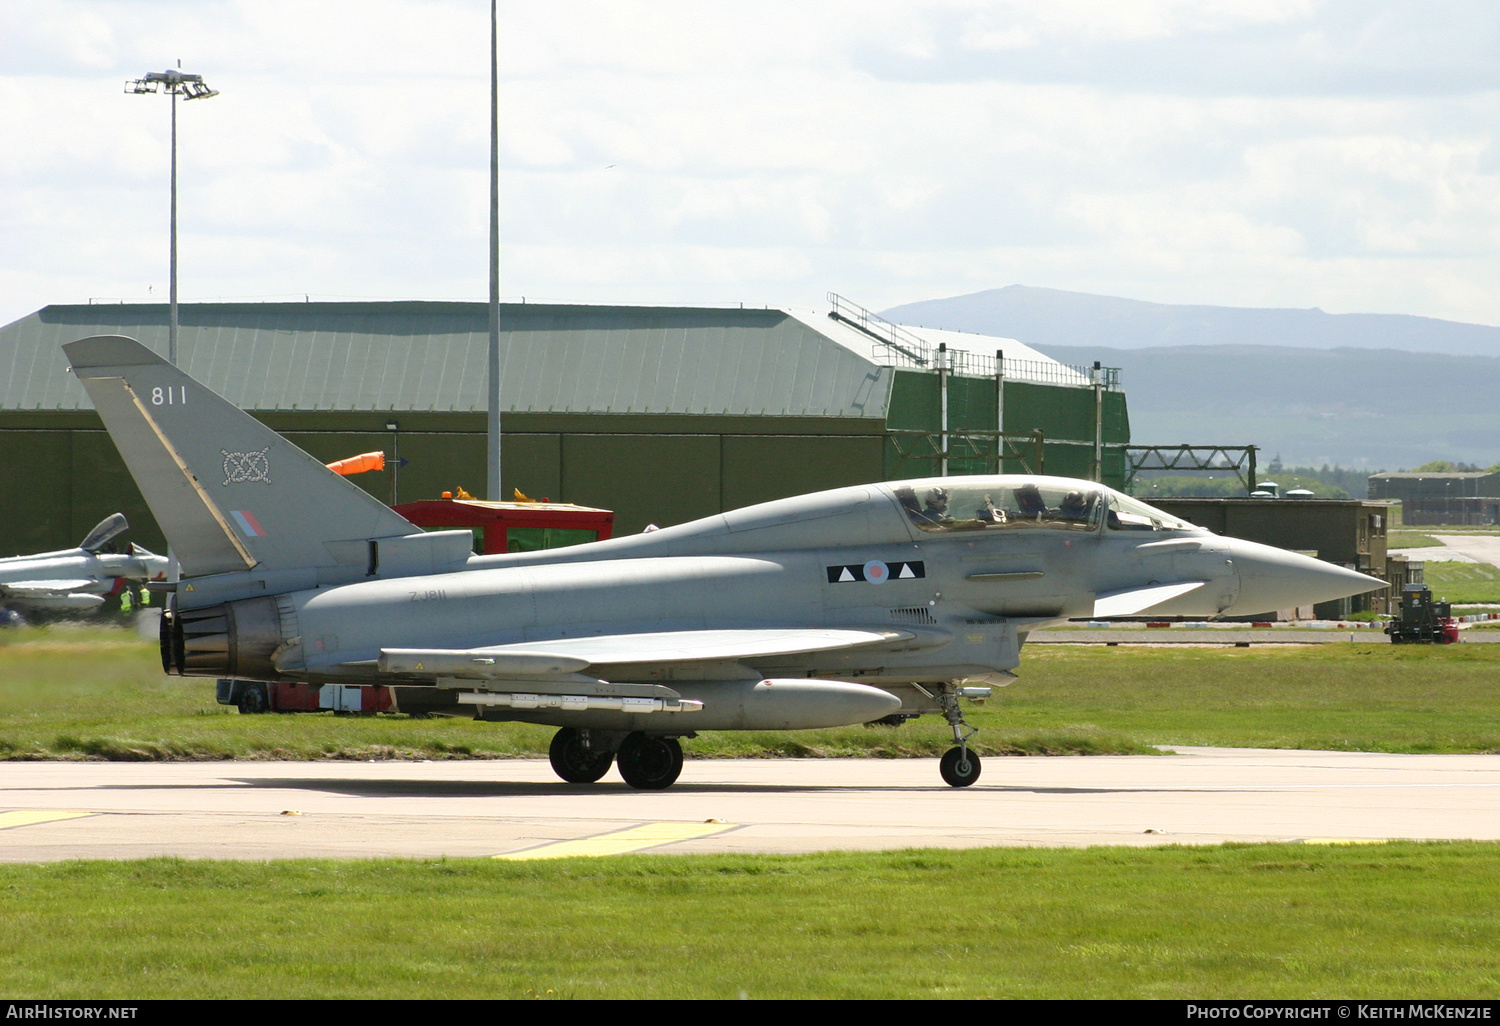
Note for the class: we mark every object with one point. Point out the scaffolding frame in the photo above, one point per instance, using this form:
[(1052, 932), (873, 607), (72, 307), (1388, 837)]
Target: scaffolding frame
[(1237, 458)]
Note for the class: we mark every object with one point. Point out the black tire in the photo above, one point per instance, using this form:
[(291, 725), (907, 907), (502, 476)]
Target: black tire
[(959, 767), (650, 763), (253, 699), (575, 763)]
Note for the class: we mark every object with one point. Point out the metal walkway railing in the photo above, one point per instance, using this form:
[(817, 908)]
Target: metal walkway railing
[(896, 346)]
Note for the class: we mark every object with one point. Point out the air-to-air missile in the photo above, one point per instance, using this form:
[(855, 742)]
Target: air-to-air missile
[(876, 602)]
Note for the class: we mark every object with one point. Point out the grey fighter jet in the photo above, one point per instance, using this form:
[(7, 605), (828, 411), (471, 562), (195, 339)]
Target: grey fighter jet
[(77, 580), (841, 607)]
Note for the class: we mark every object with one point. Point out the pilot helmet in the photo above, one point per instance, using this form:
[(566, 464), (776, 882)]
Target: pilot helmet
[(938, 498)]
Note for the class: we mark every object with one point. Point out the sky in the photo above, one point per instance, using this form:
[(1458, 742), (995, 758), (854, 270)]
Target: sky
[(1285, 153)]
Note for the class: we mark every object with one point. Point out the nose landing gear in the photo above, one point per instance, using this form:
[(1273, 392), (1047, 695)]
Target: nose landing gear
[(959, 766)]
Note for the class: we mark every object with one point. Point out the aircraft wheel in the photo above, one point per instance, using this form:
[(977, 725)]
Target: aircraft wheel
[(575, 763), (650, 763), (253, 699), (959, 766)]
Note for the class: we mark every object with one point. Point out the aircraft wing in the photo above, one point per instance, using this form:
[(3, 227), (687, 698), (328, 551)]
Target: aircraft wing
[(571, 655), (1129, 601), (42, 589)]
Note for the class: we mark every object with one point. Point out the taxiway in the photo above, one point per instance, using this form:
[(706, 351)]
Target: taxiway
[(272, 810)]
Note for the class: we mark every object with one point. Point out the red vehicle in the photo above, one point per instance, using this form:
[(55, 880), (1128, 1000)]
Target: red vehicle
[(497, 526), (252, 696), (513, 526)]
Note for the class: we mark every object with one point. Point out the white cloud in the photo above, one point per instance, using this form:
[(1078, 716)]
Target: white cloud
[(759, 152), (1019, 24)]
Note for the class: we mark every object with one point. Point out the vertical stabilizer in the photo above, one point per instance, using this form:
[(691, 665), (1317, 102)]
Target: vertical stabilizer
[(228, 492)]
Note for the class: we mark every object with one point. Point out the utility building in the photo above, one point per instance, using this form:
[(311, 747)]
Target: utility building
[(664, 414)]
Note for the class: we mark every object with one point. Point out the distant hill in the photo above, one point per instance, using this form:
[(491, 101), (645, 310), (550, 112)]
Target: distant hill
[(1381, 409), (1052, 317)]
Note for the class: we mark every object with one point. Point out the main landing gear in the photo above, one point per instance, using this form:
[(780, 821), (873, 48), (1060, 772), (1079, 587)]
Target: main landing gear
[(959, 766), (575, 759), (647, 763), (650, 763)]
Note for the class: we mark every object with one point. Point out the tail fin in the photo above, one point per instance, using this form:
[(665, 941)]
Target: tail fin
[(229, 493)]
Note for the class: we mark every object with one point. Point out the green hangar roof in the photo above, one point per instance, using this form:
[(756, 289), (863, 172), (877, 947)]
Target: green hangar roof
[(432, 356), (419, 356)]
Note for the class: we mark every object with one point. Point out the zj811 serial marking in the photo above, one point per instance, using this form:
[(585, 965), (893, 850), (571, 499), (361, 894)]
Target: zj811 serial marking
[(429, 596)]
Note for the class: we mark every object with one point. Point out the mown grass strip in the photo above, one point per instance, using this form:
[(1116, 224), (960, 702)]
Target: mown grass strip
[(1401, 920), (1410, 540), (1462, 582)]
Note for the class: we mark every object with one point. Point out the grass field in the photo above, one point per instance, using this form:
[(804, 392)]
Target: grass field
[(1400, 920), (1410, 540), (101, 694), (1462, 582)]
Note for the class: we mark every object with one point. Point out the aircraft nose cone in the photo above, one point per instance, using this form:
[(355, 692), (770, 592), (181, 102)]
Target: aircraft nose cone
[(1272, 579)]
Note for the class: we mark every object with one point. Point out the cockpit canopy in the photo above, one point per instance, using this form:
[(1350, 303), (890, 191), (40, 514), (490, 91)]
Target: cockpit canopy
[(1127, 514), (1002, 504)]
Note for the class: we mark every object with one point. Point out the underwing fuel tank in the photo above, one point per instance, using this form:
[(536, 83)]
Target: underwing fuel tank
[(73, 602), (786, 704)]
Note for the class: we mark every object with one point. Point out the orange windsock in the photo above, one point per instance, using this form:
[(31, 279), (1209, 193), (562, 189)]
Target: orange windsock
[(363, 463)]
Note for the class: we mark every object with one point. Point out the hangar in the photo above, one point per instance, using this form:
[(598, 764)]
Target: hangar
[(664, 414), (1433, 498)]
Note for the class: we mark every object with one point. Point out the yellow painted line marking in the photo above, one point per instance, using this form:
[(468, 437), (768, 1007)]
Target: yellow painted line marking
[(31, 818), (1345, 840), (621, 842)]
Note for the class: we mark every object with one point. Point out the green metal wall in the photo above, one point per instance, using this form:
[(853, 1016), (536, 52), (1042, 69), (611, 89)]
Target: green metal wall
[(60, 474), (56, 484), (1064, 415)]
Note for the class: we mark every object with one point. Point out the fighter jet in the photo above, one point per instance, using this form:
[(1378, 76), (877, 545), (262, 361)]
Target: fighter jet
[(77, 580), (842, 607)]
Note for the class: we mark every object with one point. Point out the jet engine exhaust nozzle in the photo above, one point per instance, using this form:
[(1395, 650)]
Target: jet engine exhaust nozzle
[(232, 640)]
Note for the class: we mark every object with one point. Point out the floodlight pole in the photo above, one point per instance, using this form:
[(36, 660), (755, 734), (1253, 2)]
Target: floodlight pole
[(493, 440), (172, 262), (192, 87)]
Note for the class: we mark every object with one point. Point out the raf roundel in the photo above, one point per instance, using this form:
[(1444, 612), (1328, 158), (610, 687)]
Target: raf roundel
[(875, 572)]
